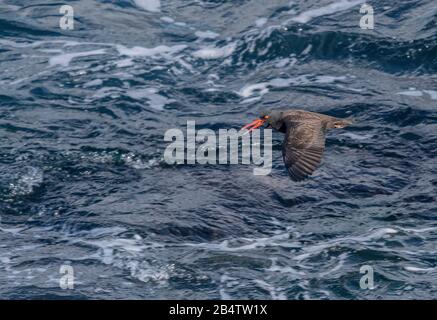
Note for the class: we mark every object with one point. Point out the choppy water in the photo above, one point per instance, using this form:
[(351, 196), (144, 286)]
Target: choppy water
[(82, 118)]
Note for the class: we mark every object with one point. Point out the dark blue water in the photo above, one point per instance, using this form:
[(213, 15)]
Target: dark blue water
[(83, 181)]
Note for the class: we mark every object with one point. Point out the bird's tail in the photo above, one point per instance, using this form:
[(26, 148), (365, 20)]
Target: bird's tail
[(341, 123)]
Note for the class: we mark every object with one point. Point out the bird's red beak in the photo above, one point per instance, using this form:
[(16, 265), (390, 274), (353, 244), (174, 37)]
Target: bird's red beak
[(254, 125)]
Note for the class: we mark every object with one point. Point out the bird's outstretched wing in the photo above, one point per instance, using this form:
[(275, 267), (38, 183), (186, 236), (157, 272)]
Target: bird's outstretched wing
[(303, 147)]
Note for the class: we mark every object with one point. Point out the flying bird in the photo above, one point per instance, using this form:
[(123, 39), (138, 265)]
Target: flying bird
[(304, 140)]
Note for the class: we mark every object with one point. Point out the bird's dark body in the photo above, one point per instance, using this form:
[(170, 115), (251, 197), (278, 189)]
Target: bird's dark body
[(304, 140)]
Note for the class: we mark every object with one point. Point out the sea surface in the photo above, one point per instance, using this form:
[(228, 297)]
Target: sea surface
[(84, 184)]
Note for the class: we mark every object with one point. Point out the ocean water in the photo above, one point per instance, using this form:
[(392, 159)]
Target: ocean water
[(83, 182)]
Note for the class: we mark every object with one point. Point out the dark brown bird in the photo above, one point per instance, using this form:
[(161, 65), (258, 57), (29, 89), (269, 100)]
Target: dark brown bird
[(304, 141)]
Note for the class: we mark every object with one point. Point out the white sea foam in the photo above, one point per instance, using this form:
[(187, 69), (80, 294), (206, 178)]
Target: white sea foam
[(263, 87), (93, 83), (106, 92), (149, 5), (342, 5), (250, 243), (98, 232), (260, 22), (248, 90), (124, 63), (129, 159), (155, 100), (65, 58), (13, 231), (356, 136), (13, 44), (149, 52), (226, 281), (130, 254), (63, 43), (167, 19), (275, 293), (342, 257), (206, 34), (419, 270), (284, 269), (215, 52), (316, 249), (126, 253), (422, 230), (51, 50), (27, 182), (411, 93), (329, 79), (282, 63), (306, 50), (432, 94)]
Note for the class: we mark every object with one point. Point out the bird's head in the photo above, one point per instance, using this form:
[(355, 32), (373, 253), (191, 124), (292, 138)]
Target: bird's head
[(272, 118)]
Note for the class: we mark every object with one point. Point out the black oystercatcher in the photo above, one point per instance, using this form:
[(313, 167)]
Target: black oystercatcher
[(304, 141)]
